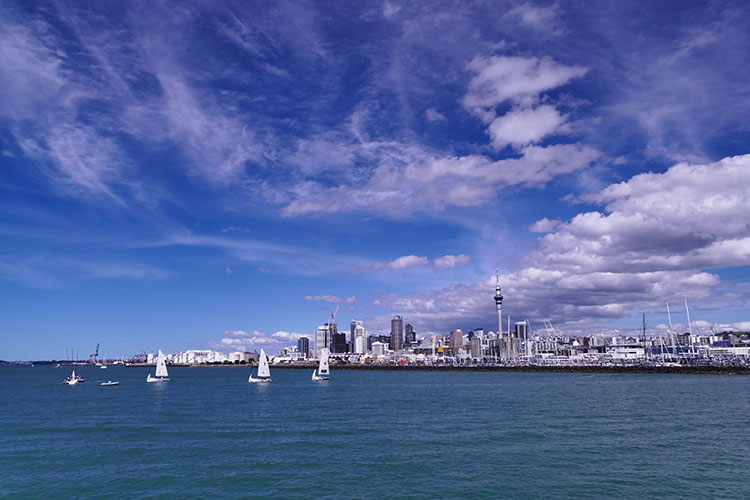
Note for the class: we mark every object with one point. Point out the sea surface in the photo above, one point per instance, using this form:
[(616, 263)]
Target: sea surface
[(372, 434)]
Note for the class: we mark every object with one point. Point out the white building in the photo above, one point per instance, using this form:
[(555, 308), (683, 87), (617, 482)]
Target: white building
[(240, 356), (358, 337), (378, 348)]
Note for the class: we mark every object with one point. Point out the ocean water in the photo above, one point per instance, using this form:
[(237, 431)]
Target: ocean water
[(371, 434)]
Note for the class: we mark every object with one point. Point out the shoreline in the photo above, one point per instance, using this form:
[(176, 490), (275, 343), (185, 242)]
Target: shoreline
[(682, 370), (634, 369)]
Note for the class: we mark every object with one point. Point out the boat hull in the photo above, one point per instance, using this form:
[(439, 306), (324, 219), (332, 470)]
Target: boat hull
[(254, 380), (157, 379)]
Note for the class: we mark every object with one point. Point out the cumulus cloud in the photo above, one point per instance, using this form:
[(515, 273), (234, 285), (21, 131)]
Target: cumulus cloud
[(332, 298), (518, 79), (544, 225), (524, 126), (450, 261), (659, 235)]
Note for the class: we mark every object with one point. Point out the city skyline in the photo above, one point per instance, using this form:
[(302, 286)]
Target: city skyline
[(225, 175)]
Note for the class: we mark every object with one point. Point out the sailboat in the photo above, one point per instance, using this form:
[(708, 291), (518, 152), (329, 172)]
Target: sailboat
[(322, 372), (264, 373), (73, 379), (161, 369)]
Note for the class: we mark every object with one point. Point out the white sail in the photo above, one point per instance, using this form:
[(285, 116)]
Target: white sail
[(323, 366), (263, 370), (161, 365)]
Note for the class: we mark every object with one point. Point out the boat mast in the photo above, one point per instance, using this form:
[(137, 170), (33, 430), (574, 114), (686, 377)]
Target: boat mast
[(644, 337), (690, 327)]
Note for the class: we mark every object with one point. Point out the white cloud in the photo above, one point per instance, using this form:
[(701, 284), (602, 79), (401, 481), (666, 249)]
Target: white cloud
[(430, 184), (399, 263), (522, 126), (518, 79), (540, 18), (239, 339), (434, 115), (390, 9), (658, 236), (544, 225), (450, 261), (332, 298)]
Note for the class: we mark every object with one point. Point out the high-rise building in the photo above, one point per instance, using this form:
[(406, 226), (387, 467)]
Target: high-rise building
[(476, 347), (339, 344), (358, 337), (397, 333), (521, 331), (456, 340), (333, 329), (303, 346), (321, 339), (410, 336)]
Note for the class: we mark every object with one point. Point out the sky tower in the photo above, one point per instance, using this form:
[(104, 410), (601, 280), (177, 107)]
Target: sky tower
[(499, 305)]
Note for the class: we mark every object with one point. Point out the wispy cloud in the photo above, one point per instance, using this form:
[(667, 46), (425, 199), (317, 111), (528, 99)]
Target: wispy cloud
[(450, 261), (332, 298), (400, 263)]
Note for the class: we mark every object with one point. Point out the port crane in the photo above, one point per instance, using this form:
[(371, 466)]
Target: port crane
[(93, 357)]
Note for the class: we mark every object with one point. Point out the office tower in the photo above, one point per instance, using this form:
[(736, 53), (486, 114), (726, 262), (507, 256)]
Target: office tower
[(410, 336), (321, 339), (521, 331), (358, 337), (333, 329), (339, 343), (303, 346), (476, 347), (397, 333), (456, 340)]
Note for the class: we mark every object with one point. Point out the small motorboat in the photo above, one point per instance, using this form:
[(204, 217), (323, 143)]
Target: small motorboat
[(110, 382)]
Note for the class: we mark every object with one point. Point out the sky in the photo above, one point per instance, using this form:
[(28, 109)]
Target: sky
[(224, 175)]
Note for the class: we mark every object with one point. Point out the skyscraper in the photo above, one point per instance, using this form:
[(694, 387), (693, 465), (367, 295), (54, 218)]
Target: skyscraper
[(303, 346), (321, 339), (358, 337), (456, 340), (339, 343), (410, 336), (397, 333)]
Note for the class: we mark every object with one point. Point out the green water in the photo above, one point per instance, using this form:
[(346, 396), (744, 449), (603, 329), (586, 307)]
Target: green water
[(370, 434)]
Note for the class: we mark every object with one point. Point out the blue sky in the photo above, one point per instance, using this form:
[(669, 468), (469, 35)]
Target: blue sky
[(223, 175)]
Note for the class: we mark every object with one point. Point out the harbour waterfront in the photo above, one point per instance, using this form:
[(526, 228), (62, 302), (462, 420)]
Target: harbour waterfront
[(373, 434)]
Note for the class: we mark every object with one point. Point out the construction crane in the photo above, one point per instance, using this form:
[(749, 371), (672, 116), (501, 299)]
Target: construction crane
[(94, 355)]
